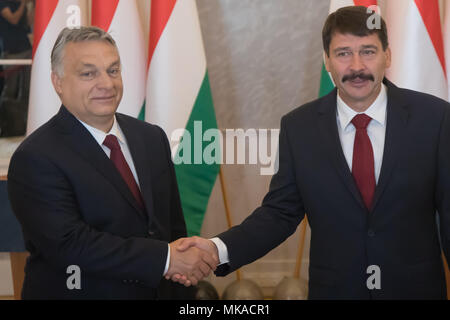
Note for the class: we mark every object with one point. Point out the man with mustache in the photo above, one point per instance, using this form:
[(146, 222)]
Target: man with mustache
[(358, 75), (370, 165), (95, 190)]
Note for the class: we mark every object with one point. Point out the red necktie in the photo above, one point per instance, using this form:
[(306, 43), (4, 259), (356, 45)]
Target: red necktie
[(363, 167), (122, 166)]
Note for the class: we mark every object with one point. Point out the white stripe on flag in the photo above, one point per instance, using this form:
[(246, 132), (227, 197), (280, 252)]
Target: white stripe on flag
[(336, 4), (44, 102), (446, 34), (177, 70), (415, 63), (126, 29)]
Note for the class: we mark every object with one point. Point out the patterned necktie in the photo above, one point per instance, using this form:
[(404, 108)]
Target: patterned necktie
[(122, 166), (363, 167)]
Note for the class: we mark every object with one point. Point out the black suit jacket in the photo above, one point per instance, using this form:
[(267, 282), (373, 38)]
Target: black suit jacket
[(399, 234), (75, 209)]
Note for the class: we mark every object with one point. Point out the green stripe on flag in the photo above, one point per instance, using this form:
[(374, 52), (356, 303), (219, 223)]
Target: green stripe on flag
[(326, 85), (141, 115), (196, 181)]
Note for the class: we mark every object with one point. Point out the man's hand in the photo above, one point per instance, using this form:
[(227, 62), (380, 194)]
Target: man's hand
[(191, 264), (191, 243)]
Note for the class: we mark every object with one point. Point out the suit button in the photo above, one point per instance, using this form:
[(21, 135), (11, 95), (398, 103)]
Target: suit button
[(371, 233)]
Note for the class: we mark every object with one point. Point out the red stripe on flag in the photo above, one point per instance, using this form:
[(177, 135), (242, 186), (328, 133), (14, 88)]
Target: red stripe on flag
[(43, 13), (103, 12), (429, 10), (366, 3), (159, 15)]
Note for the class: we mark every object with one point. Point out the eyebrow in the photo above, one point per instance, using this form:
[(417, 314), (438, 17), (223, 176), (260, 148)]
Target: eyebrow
[(341, 49), (116, 63), (90, 65), (366, 46), (369, 46)]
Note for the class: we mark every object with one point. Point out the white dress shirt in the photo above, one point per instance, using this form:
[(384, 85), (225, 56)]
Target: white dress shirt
[(376, 130), (100, 136)]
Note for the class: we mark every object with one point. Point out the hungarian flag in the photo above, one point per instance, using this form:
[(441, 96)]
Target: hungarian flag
[(121, 19), (418, 57), (415, 37), (326, 82), (51, 16), (179, 97), (446, 35)]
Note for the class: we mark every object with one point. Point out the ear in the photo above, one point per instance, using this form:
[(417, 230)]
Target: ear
[(388, 57), (327, 61), (56, 81)]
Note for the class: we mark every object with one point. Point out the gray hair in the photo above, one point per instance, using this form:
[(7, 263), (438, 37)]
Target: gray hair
[(80, 34)]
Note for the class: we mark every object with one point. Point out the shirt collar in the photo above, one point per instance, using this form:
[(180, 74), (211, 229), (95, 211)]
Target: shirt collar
[(100, 136), (377, 111)]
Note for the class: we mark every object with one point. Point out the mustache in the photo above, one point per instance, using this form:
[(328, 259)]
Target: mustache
[(358, 75)]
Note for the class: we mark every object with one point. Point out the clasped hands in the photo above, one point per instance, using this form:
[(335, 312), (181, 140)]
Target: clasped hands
[(191, 259)]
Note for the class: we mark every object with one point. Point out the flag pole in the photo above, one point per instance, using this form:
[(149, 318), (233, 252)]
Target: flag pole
[(301, 246), (227, 210)]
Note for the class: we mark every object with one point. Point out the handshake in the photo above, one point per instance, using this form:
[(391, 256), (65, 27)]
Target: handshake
[(191, 259)]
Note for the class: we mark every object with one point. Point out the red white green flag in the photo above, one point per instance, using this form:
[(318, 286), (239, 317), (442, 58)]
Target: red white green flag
[(51, 16), (415, 37), (179, 97), (121, 19)]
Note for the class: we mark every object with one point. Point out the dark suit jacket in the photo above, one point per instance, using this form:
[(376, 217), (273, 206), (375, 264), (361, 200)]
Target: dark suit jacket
[(399, 234), (75, 209)]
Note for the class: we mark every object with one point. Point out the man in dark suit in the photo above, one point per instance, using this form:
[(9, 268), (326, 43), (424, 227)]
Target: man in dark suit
[(370, 165), (95, 190)]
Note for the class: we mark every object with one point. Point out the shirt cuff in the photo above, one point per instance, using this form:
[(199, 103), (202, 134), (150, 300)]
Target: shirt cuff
[(222, 249), (167, 261)]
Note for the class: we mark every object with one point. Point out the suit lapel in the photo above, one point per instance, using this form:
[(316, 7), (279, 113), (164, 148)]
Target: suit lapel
[(397, 121), (81, 141), (137, 145), (330, 136)]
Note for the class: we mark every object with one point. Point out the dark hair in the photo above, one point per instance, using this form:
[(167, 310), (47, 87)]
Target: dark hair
[(352, 20)]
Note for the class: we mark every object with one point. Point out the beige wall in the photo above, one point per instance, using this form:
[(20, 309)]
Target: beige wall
[(264, 60)]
